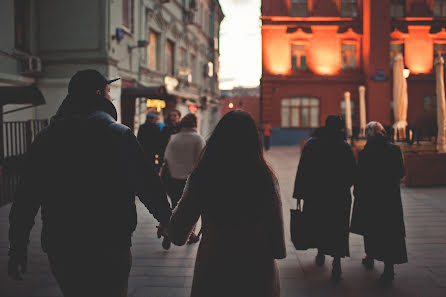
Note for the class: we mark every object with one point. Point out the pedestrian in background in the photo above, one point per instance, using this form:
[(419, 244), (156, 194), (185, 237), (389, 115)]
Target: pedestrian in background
[(267, 129), (84, 171), (150, 138), (378, 211), (172, 127), (235, 192), (182, 153), (324, 177)]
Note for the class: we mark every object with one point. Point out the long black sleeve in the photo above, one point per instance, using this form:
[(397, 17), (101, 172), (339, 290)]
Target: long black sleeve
[(142, 176)]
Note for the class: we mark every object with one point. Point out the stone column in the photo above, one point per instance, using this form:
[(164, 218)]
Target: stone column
[(441, 105), (348, 114), (362, 111)]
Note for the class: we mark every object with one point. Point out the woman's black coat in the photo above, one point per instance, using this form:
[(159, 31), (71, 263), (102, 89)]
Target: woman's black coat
[(378, 211), (324, 178)]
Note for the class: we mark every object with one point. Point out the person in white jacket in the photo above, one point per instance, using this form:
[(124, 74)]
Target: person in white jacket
[(182, 152)]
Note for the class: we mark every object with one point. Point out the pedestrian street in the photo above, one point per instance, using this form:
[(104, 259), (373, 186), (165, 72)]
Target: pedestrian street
[(159, 273)]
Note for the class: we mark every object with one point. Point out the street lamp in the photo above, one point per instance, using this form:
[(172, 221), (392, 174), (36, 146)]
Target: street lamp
[(406, 72)]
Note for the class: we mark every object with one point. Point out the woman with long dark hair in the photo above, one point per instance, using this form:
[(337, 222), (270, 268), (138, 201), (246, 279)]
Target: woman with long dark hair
[(235, 192)]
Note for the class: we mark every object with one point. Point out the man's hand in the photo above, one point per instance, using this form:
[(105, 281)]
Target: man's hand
[(17, 264)]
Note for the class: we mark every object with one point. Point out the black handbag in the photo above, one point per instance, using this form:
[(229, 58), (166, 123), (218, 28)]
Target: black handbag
[(299, 232)]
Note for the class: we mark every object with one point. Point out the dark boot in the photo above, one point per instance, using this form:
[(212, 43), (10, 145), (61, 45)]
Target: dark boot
[(320, 258), (388, 275), (337, 271)]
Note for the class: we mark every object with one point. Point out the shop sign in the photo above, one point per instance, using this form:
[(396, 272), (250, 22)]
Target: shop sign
[(170, 82), (193, 108), (156, 103)]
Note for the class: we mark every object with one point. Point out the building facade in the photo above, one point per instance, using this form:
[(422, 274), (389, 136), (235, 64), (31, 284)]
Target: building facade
[(165, 50), (316, 50)]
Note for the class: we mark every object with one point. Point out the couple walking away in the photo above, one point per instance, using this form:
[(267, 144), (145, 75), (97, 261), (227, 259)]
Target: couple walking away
[(326, 172), (84, 171)]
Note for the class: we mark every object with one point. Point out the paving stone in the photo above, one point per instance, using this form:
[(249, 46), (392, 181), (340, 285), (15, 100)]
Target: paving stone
[(159, 273)]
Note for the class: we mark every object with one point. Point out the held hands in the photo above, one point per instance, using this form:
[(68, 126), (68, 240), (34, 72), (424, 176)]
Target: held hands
[(162, 231), (17, 264)]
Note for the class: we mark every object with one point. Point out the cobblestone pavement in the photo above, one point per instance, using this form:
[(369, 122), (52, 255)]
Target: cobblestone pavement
[(159, 273)]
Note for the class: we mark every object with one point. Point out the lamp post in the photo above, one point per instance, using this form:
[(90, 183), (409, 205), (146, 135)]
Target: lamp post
[(362, 111), (348, 114)]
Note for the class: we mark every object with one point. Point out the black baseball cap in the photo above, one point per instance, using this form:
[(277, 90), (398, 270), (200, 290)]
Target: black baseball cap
[(88, 82)]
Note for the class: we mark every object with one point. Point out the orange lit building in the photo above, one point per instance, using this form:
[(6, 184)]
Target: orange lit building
[(316, 50)]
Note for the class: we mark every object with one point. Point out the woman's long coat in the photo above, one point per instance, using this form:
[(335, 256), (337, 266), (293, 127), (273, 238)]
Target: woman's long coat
[(378, 211), (236, 260), (324, 177)]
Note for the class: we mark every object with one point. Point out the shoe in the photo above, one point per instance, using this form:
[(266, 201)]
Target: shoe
[(336, 273), (193, 238), (368, 262), (166, 243), (386, 279), (320, 259)]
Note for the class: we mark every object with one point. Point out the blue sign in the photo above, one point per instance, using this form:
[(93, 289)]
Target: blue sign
[(379, 76)]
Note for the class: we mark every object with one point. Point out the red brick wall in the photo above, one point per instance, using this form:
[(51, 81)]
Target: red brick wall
[(248, 104)]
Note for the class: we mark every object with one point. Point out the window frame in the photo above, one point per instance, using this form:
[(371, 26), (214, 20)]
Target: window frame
[(300, 53), (156, 48), (170, 60), (300, 108), (348, 66), (128, 21), (394, 7), (352, 6), (442, 4), (299, 8), (22, 25)]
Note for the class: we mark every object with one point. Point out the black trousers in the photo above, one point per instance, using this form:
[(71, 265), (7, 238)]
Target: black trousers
[(175, 189), (95, 273)]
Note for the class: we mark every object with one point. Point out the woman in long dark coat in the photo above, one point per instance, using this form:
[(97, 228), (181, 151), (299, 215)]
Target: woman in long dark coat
[(324, 178), (236, 194), (378, 211)]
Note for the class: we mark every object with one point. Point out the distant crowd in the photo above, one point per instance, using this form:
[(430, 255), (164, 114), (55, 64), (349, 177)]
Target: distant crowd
[(84, 170)]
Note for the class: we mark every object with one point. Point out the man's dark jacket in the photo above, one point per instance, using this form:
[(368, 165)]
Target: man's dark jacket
[(84, 171)]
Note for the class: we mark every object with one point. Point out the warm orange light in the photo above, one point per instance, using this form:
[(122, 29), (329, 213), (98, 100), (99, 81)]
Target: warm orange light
[(276, 50), (325, 53), (419, 51), (231, 105)]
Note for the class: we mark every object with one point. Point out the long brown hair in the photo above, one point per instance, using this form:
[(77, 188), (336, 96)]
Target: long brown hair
[(232, 173)]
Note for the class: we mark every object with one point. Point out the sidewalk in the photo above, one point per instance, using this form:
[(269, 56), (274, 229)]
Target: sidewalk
[(159, 273)]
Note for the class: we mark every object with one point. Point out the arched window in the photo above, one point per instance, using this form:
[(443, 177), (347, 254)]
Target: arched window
[(300, 112)]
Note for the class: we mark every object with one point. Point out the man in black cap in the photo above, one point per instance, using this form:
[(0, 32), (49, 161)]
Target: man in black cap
[(323, 180), (84, 171)]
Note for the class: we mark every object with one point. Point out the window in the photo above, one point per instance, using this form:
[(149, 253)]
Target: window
[(300, 112), (349, 8), (127, 14), (440, 8), (299, 8), (170, 58), (349, 54), (299, 56), (395, 48), (22, 20), (153, 51), (397, 8), (193, 67), (183, 57)]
